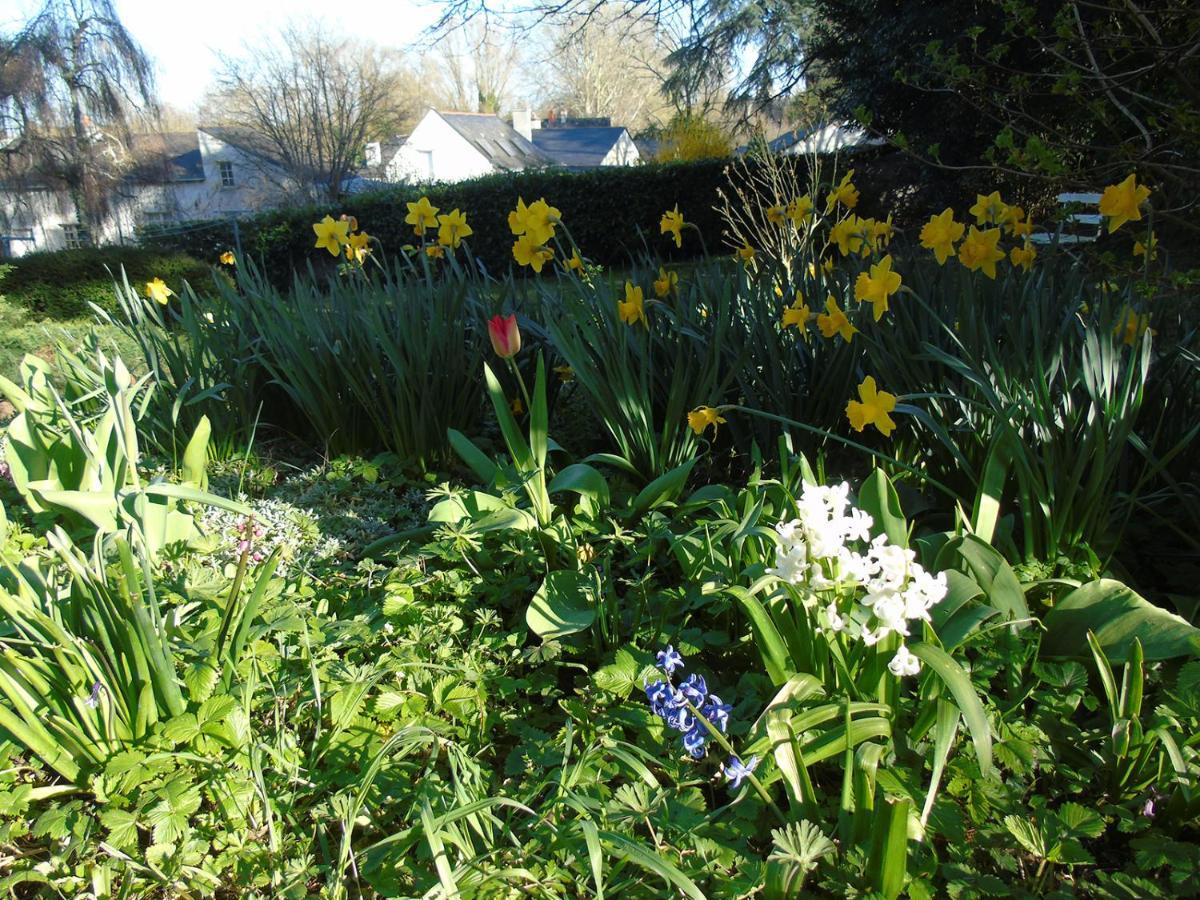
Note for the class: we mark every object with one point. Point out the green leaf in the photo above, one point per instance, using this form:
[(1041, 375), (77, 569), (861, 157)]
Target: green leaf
[(585, 481), (1028, 835), (564, 604), (664, 488), (195, 456), (888, 863), (478, 461), (955, 678), (1117, 615), (879, 498)]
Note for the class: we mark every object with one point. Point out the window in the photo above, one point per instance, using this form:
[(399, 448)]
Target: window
[(226, 170), (77, 236), (155, 216)]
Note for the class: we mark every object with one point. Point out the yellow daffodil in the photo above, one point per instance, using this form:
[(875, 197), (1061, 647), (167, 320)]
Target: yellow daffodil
[(452, 228), (845, 193), (850, 235), (702, 417), (528, 252), (833, 321), (1023, 256), (228, 259), (745, 253), (882, 232), (517, 407), (565, 373), (575, 263), (665, 283), (421, 215), (435, 251), (989, 210), (631, 309), (1122, 202), (357, 246), (540, 219), (1131, 326), (872, 408), (798, 314), (1013, 216), (1139, 249), (980, 251), (878, 286), (827, 265), (941, 233), (331, 234), (777, 215), (799, 210), (516, 218), (1021, 229), (158, 291), (672, 223)]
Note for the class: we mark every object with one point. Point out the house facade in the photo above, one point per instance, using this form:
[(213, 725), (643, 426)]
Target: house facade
[(170, 178), (453, 146)]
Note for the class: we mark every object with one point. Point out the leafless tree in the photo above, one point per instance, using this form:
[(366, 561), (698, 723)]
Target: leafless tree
[(472, 68), (311, 101), (73, 83), (606, 66)]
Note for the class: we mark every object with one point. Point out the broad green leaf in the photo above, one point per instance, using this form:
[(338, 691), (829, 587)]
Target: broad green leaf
[(1116, 615), (564, 604), (585, 481), (195, 456), (664, 488)]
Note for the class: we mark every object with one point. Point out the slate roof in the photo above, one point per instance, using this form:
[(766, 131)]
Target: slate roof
[(244, 139), (577, 148), (147, 159), (500, 144), (169, 157)]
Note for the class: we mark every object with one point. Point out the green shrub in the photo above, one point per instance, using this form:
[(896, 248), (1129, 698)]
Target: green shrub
[(612, 213), (61, 284)]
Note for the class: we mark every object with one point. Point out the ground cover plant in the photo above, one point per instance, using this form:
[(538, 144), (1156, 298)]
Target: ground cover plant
[(815, 567)]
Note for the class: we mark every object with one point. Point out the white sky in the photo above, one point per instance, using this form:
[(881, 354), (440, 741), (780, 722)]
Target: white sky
[(182, 37)]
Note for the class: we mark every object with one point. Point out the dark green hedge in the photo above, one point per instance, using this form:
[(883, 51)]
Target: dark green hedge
[(609, 212), (60, 284)]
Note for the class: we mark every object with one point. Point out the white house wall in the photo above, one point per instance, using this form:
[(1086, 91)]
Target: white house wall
[(257, 186), (623, 153), (453, 156)]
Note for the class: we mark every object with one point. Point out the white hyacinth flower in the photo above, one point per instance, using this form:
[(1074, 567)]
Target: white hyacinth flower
[(904, 663)]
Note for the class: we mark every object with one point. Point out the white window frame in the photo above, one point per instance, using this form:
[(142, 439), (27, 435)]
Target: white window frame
[(225, 171)]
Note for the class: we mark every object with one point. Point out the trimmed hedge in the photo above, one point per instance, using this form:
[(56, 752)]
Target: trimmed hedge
[(59, 284), (610, 212)]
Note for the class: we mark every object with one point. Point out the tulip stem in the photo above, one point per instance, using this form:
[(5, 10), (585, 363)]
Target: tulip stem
[(521, 384)]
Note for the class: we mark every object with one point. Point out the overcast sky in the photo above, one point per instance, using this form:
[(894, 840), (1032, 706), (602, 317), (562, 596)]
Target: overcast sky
[(181, 37)]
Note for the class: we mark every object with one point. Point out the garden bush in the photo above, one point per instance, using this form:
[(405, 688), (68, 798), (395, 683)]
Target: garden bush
[(63, 283), (613, 212)]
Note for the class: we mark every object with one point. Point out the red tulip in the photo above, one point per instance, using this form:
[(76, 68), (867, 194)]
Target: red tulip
[(506, 337)]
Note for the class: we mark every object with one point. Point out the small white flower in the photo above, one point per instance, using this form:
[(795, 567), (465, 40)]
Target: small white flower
[(836, 622), (904, 663)]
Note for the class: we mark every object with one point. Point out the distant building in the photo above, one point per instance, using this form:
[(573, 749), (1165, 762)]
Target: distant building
[(586, 144), (167, 178), (454, 146)]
